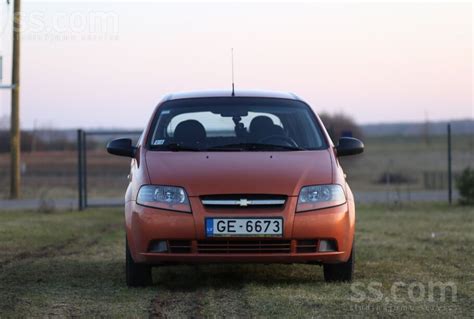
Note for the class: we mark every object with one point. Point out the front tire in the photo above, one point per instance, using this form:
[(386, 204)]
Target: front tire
[(137, 275), (340, 272)]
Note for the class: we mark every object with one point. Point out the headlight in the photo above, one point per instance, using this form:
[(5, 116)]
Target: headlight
[(166, 197), (320, 196)]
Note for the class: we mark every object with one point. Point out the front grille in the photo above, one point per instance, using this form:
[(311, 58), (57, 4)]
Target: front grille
[(243, 201), (244, 247), (306, 246), (179, 246), (220, 246)]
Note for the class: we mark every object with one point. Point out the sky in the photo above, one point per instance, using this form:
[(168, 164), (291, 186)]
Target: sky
[(107, 64)]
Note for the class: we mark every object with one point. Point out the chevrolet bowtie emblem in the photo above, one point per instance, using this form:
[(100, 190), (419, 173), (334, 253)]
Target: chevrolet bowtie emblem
[(244, 202)]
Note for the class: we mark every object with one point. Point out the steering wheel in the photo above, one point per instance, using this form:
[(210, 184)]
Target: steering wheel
[(280, 138)]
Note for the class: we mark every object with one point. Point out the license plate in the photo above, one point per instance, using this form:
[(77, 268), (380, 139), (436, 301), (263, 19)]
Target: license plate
[(244, 227)]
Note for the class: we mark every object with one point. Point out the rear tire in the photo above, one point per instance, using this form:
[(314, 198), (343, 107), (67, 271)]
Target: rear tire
[(137, 275), (340, 272)]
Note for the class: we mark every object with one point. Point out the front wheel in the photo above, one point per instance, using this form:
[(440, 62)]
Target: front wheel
[(342, 271), (137, 275)]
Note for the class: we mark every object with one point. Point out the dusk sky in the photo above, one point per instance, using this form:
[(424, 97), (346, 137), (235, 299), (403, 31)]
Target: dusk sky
[(88, 64)]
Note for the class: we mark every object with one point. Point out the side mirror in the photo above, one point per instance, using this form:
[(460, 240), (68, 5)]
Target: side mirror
[(121, 147), (349, 146)]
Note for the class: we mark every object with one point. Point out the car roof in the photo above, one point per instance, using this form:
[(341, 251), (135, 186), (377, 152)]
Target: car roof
[(228, 93)]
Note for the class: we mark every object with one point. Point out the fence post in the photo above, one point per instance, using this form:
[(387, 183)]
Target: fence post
[(450, 179), (79, 169), (84, 170)]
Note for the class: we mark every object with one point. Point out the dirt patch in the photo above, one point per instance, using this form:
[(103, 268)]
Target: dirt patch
[(43, 252), (62, 249), (205, 296), (178, 304)]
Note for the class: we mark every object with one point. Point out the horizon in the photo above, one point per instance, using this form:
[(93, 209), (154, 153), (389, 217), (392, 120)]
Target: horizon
[(378, 63), (132, 129)]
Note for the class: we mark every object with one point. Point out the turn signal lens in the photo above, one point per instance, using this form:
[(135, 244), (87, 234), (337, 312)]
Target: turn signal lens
[(165, 197), (320, 196)]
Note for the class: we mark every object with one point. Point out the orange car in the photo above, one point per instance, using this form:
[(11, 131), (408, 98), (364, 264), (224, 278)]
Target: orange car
[(252, 177)]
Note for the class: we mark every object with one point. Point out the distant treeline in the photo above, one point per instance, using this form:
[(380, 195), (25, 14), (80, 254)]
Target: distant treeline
[(50, 140), (337, 125), (458, 127)]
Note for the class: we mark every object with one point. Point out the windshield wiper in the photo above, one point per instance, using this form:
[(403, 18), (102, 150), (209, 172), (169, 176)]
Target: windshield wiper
[(255, 147), (175, 147)]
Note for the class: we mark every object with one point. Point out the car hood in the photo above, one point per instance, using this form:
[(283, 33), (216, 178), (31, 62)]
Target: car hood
[(210, 173)]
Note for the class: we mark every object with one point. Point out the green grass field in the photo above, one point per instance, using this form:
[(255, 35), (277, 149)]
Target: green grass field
[(68, 264)]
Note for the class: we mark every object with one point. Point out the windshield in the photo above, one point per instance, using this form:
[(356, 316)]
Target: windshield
[(235, 124)]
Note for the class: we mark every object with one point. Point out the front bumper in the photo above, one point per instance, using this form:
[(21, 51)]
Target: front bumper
[(196, 258), (147, 225)]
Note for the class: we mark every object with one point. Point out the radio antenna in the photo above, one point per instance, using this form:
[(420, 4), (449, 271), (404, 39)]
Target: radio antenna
[(232, 62)]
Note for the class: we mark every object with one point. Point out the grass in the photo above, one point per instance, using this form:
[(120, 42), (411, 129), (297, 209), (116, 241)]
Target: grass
[(67, 264)]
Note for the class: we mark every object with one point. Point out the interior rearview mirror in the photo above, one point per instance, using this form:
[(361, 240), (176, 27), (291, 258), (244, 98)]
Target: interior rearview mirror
[(349, 146), (121, 147)]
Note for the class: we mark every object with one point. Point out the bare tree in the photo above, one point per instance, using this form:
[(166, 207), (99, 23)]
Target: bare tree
[(339, 125)]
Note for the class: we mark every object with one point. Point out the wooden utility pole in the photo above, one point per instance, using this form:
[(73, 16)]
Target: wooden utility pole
[(15, 111)]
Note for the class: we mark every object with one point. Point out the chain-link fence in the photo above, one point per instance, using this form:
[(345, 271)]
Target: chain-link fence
[(412, 167), (394, 168), (102, 179)]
